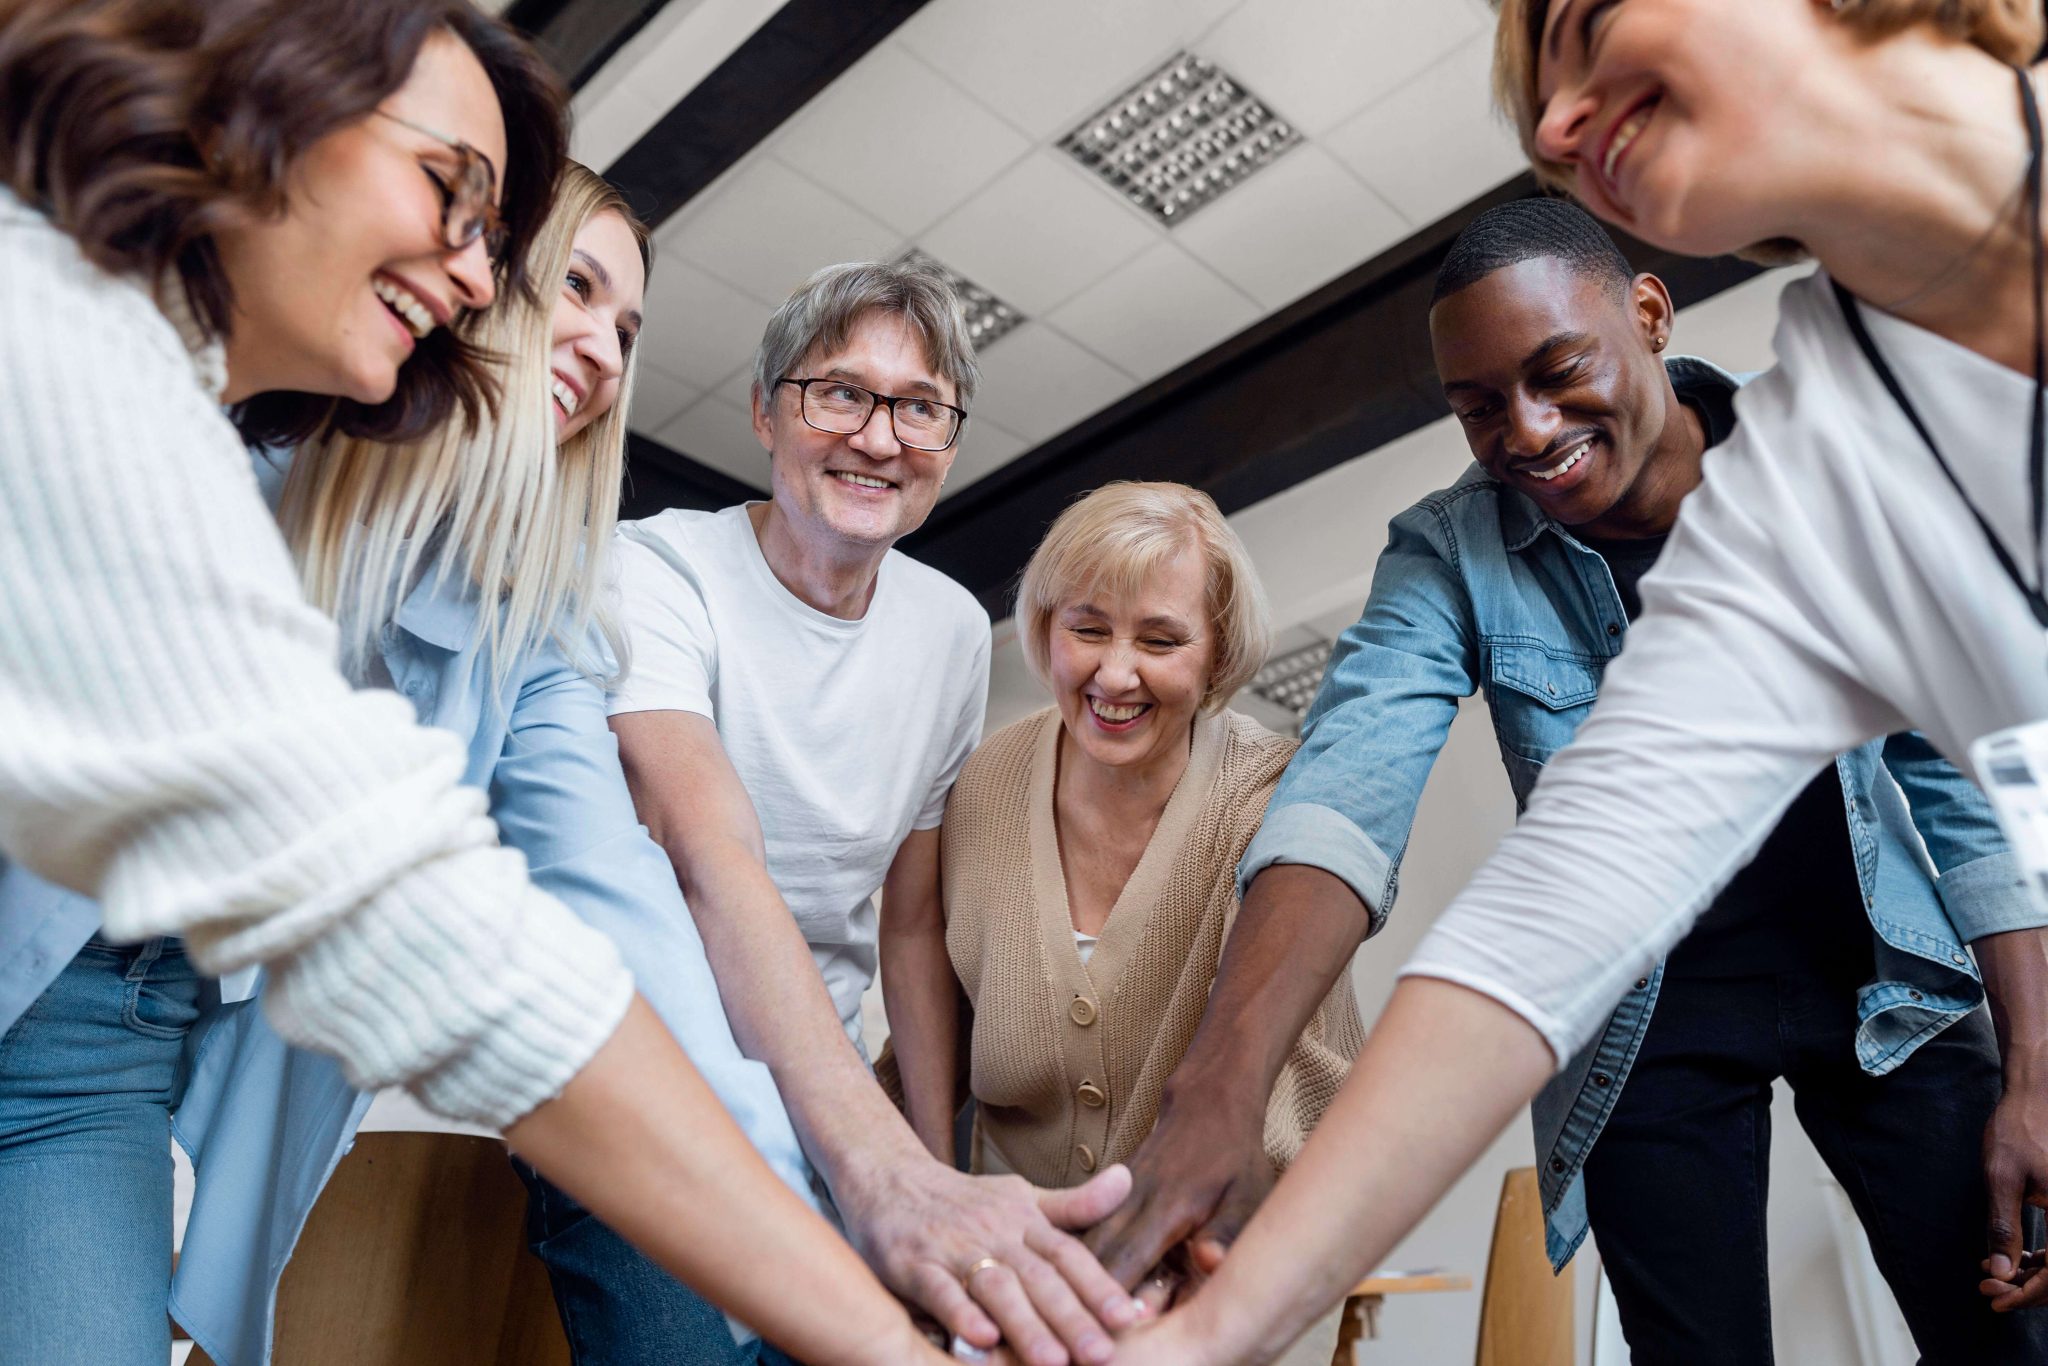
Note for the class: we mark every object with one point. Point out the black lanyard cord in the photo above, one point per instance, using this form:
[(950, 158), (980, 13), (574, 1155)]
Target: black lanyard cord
[(2037, 434)]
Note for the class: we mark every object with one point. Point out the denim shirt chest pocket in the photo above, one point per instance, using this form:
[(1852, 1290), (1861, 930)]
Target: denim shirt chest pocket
[(1538, 697)]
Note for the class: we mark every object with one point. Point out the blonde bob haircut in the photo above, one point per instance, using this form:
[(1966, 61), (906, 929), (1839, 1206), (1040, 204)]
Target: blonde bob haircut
[(522, 517), (2009, 30), (1112, 541)]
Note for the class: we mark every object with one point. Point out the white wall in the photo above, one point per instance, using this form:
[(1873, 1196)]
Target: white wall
[(1315, 546)]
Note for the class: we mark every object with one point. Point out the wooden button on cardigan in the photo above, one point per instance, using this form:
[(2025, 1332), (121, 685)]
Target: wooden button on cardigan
[(1068, 1060)]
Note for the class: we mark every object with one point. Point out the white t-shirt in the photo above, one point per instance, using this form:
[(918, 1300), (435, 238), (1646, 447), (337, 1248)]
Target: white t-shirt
[(847, 734), (1824, 586)]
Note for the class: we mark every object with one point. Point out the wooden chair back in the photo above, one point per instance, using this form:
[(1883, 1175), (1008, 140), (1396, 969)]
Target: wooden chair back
[(1525, 1318), (416, 1253)]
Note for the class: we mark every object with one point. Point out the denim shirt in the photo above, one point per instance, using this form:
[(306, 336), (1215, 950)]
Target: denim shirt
[(266, 1123), (1478, 591)]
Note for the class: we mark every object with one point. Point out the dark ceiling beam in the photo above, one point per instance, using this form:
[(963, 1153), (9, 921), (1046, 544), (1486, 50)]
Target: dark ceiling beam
[(1339, 373), (579, 36), (799, 51), (658, 478)]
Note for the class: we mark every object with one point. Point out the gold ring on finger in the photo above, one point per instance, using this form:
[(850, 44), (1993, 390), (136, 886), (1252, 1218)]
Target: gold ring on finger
[(967, 1276)]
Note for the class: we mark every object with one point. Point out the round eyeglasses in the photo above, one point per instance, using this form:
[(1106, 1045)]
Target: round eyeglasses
[(467, 208), (833, 405)]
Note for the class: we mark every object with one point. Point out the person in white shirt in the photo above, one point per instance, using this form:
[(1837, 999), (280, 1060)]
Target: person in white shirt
[(1844, 585), (801, 697), (193, 213)]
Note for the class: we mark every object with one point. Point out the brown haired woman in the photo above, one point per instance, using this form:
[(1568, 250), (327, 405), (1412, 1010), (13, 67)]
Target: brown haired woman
[(1865, 551), (281, 207)]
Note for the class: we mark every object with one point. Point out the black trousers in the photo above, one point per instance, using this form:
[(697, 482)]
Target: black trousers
[(1677, 1182)]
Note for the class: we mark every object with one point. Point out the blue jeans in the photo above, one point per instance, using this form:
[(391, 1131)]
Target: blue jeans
[(619, 1308), (88, 1078)]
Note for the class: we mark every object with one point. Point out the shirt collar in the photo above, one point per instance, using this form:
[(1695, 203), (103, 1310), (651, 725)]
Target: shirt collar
[(441, 610), (1702, 385)]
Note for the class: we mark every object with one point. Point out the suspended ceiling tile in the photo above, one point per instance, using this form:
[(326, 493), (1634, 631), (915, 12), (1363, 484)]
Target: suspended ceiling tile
[(713, 432), (900, 141), (738, 387), (1156, 312), (1039, 234), (984, 448), (765, 229), (658, 397), (698, 328), (1291, 227), (1045, 65), (1038, 382), (1437, 142), (1316, 61)]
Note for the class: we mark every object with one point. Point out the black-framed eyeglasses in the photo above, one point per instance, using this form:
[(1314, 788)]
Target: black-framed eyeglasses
[(833, 405), (468, 210)]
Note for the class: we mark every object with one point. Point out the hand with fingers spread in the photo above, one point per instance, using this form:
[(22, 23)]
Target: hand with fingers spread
[(2016, 1177), (991, 1257)]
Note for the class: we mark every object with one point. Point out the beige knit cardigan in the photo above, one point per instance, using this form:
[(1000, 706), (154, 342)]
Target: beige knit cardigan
[(1068, 1060)]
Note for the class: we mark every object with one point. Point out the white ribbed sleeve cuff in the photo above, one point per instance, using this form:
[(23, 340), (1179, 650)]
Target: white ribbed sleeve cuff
[(483, 1010), (176, 740)]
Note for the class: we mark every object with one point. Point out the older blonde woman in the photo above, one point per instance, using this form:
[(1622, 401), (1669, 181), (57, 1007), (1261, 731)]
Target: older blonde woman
[(1088, 857)]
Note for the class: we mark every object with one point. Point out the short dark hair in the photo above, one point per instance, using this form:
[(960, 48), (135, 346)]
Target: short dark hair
[(103, 105), (1524, 229)]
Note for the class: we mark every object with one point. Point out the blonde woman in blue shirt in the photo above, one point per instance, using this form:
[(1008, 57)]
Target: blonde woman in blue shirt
[(396, 542)]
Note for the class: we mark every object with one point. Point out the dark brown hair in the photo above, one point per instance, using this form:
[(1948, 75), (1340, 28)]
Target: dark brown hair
[(105, 106)]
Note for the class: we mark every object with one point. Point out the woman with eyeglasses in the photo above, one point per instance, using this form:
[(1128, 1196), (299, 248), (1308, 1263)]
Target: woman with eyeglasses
[(1866, 551), (283, 208)]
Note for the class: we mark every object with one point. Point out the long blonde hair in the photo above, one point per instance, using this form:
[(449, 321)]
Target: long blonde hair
[(524, 519)]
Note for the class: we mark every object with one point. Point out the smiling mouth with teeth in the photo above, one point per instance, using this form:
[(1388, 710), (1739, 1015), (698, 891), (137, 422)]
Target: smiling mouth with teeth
[(565, 396), (417, 317), (1624, 137), (1578, 453), (861, 481), (1116, 715)]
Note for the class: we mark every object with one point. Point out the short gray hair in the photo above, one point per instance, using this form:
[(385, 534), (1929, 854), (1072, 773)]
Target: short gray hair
[(823, 312)]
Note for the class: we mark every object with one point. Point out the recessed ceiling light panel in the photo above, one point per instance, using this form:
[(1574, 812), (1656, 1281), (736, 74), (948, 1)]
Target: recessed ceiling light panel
[(1290, 681), (1179, 138), (989, 319)]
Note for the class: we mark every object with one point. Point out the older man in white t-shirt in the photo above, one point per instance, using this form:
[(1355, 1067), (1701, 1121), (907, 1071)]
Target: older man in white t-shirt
[(800, 698)]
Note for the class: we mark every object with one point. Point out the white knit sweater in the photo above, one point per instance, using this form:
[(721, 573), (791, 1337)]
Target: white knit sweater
[(177, 740)]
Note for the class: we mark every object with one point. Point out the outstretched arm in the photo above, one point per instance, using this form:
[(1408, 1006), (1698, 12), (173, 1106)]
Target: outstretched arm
[(1669, 788), (923, 996), (1443, 1073), (921, 1225), (641, 1141), (1321, 876)]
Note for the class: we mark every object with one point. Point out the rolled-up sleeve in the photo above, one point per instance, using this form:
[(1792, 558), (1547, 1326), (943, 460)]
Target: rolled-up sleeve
[(1727, 700), (1979, 878), (176, 740), (1347, 801)]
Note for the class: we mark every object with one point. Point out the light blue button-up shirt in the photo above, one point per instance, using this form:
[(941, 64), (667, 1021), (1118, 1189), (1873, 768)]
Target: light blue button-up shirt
[(266, 1123), (1478, 591)]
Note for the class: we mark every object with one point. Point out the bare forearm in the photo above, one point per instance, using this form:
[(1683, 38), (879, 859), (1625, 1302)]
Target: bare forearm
[(639, 1139), (1294, 934), (924, 1004), (783, 1016), (2015, 968), (1444, 1071)]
